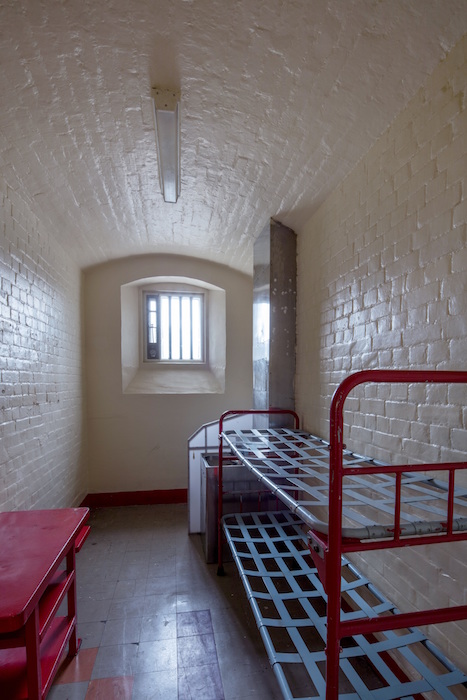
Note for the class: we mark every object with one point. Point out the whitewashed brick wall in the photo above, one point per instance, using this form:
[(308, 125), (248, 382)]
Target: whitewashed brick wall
[(382, 283), (41, 411)]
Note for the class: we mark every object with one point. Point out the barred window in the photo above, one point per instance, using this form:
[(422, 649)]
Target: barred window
[(174, 324)]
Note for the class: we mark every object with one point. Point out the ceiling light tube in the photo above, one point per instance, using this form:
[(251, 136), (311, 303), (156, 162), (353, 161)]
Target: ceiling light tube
[(167, 120)]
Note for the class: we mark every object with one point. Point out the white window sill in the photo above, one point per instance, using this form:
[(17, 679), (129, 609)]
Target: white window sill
[(174, 381)]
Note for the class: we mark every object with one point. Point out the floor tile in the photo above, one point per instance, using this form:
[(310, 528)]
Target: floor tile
[(194, 622), (79, 668), (110, 689), (198, 599), (141, 605), (90, 633), (197, 650), (159, 585), (250, 682), (134, 565), (165, 565), (127, 608), (69, 691), (92, 590), (162, 626), (200, 683), (130, 588), (159, 685), (126, 631), (158, 655), (114, 661), (93, 610)]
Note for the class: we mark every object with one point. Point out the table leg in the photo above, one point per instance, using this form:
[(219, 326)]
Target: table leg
[(74, 643), (33, 661)]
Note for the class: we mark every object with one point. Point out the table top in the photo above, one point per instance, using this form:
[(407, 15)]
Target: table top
[(32, 545)]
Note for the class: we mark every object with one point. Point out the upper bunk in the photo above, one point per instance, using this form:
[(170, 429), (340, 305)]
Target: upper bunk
[(372, 501), (294, 465)]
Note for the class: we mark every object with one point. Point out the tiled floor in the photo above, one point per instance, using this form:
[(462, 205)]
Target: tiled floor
[(156, 621)]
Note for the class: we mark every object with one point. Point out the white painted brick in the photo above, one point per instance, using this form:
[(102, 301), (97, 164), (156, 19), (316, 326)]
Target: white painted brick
[(444, 202), (443, 242), (444, 137), (420, 293), (437, 310), (451, 153), (414, 316), (438, 269), (401, 358), (455, 171), (420, 432), (41, 462), (460, 214), (436, 186), (458, 350), (459, 440), (421, 159)]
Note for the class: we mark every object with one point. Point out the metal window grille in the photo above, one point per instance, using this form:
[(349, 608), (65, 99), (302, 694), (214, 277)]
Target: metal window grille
[(174, 327)]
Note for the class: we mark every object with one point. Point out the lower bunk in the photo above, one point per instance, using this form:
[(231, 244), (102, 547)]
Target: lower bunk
[(288, 601)]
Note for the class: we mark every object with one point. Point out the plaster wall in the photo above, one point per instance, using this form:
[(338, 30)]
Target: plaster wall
[(41, 400), (139, 441), (382, 283)]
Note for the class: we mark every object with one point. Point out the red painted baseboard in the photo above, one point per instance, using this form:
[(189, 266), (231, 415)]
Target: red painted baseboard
[(135, 498)]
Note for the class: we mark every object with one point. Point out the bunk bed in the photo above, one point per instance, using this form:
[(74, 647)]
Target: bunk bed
[(293, 563)]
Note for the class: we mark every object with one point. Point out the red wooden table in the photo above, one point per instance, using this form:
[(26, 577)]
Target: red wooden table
[(37, 573)]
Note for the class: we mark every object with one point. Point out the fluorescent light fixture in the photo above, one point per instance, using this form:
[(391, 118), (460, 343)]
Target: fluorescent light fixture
[(167, 119)]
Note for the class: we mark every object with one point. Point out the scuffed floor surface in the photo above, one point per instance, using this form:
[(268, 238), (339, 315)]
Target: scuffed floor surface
[(156, 621)]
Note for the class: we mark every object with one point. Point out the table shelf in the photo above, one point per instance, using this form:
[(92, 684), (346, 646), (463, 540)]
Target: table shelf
[(13, 677), (38, 560), (53, 598), (48, 607)]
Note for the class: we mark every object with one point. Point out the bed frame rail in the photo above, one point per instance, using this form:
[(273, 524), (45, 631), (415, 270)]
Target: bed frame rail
[(334, 548), (327, 548)]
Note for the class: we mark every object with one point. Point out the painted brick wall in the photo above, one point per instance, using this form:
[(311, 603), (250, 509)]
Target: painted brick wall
[(41, 447), (382, 283)]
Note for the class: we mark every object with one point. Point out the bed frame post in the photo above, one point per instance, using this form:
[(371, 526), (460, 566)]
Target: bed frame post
[(220, 493), (334, 554), (335, 628), (220, 497)]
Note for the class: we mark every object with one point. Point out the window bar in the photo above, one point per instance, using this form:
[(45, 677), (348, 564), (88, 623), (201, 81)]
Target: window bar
[(191, 327), (170, 326), (181, 327)]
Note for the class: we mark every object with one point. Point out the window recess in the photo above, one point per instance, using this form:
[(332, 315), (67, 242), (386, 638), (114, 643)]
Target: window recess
[(173, 336)]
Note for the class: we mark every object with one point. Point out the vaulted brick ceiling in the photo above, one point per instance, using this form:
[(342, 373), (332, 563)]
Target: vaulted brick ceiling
[(280, 98)]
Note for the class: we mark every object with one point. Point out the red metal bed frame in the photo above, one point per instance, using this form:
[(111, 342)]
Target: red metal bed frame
[(327, 549)]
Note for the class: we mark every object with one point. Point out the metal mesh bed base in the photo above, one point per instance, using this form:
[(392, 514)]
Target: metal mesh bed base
[(289, 606), (295, 466)]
